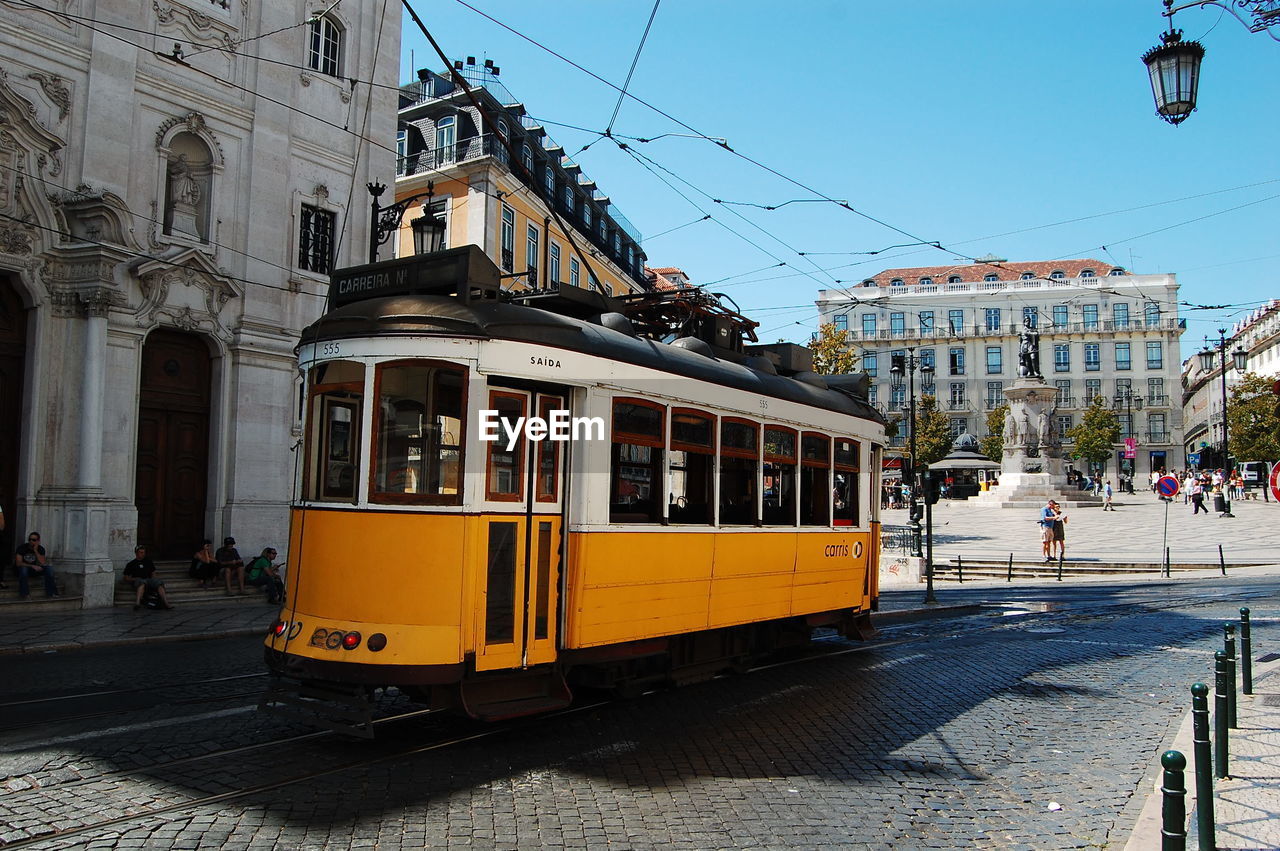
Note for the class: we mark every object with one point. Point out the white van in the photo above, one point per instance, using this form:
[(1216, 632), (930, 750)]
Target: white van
[(1255, 474)]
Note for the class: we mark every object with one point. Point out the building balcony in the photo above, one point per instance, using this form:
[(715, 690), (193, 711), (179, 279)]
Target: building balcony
[(1158, 438), (992, 404), (1065, 401), (947, 332), (957, 405)]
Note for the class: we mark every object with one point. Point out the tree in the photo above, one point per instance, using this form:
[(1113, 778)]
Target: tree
[(933, 432), (1253, 428), (993, 444), (1097, 433), (831, 352)]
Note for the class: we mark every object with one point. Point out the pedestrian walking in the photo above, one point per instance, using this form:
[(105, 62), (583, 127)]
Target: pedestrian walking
[(1197, 497), (1107, 493), (1047, 515), (1059, 529)]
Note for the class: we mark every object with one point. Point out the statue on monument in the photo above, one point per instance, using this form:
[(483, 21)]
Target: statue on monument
[(1010, 429), (1045, 425), (1029, 350)]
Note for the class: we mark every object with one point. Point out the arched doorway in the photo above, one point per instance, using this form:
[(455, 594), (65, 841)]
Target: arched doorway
[(173, 443), (13, 354)]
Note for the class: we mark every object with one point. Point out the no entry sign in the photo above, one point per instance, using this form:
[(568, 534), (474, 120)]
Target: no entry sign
[(1168, 486)]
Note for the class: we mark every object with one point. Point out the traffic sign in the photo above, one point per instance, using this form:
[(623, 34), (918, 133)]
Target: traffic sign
[(1168, 486), (1275, 482), (1193, 458)]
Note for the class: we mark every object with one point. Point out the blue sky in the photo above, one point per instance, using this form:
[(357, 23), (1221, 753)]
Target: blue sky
[(971, 124)]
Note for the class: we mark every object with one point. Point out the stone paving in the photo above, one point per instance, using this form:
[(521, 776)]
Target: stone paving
[(1133, 532)]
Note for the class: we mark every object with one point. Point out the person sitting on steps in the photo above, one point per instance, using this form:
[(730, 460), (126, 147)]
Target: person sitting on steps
[(262, 573), (230, 562), (141, 574)]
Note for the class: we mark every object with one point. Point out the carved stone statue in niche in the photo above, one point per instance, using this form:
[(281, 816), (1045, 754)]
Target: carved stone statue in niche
[(186, 187), (1010, 429)]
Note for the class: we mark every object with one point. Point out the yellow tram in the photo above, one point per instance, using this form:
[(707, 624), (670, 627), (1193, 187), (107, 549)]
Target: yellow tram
[(712, 501)]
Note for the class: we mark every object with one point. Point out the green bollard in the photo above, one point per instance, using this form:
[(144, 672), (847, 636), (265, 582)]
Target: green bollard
[(1229, 648), (1221, 738), (1246, 653), (1204, 766), (1173, 836)]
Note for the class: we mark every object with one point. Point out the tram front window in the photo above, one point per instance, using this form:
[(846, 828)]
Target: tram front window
[(419, 429), (333, 433), (846, 487)]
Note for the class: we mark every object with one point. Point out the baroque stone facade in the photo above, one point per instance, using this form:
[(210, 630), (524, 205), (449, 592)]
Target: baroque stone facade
[(151, 215)]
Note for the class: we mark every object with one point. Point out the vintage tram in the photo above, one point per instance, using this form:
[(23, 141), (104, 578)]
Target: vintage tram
[(713, 500)]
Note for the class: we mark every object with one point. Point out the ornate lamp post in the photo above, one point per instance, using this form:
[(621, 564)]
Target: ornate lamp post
[(1127, 400), (1240, 360), (909, 363), (384, 221), (1174, 65)]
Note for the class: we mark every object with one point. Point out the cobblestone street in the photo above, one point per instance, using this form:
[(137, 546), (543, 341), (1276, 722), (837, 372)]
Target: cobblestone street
[(1024, 730)]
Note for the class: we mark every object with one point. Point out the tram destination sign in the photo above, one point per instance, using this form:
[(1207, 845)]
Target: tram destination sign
[(465, 272)]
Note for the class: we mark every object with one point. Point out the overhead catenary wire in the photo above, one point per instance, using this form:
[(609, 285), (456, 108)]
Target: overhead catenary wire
[(634, 61)]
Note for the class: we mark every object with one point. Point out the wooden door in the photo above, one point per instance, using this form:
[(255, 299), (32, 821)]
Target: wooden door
[(173, 444), (13, 352)]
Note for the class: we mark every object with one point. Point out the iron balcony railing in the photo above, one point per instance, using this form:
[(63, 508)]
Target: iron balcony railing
[(957, 405), (1159, 437), (992, 404)]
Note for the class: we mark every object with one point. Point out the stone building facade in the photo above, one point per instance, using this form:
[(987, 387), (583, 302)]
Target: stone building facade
[(173, 193), (1104, 331)]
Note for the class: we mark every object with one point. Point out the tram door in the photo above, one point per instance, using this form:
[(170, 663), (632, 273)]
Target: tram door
[(524, 538)]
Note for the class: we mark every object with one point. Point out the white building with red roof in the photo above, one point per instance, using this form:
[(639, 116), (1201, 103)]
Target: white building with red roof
[(1104, 332)]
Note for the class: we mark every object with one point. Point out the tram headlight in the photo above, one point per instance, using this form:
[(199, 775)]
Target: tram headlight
[(351, 641), (376, 642)]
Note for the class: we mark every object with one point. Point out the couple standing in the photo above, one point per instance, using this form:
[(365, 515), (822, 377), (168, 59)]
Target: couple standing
[(1053, 531)]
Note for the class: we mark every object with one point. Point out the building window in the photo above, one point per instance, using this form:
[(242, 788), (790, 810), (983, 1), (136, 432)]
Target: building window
[(575, 273), (531, 255), (1123, 360), (956, 358), (927, 358), (872, 395), (1092, 357), (897, 397), (926, 322), (897, 324), (995, 360), (1120, 314), (508, 238), (1092, 389), (315, 240), (1116, 272), (957, 395), (1027, 276), (569, 200), (499, 149), (959, 426), (402, 150), (1155, 355), (1090, 312), (325, 51), (926, 282), (990, 278), (955, 319), (897, 282), (1088, 273), (586, 215), (1158, 431), (868, 325), (1062, 357), (995, 394), (841, 321), (446, 139), (1064, 425), (1155, 391), (549, 174), (992, 317), (955, 279), (555, 265), (1152, 314), (526, 159), (1057, 274), (1063, 396), (1031, 315), (871, 364), (1060, 316)]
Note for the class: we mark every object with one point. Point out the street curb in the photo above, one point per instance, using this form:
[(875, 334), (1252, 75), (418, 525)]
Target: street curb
[(129, 642), (930, 613), (1147, 830)]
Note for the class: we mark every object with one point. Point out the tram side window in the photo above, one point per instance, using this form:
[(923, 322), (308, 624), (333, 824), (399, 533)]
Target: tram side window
[(419, 428), (815, 480), (635, 480), (779, 476), (333, 434), (504, 480), (739, 472), (689, 484), (846, 484)]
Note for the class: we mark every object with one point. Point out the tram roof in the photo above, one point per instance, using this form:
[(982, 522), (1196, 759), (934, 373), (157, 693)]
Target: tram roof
[(447, 316)]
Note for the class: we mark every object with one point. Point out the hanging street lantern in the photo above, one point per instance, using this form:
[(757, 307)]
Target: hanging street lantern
[(1174, 67)]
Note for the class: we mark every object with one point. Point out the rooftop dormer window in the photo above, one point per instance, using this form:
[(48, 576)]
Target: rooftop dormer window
[(1027, 276), (954, 279), (1088, 273), (1057, 274), (926, 282), (991, 277), (896, 282), (1116, 272)]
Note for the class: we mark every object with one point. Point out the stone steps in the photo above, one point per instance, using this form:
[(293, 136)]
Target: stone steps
[(181, 589)]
